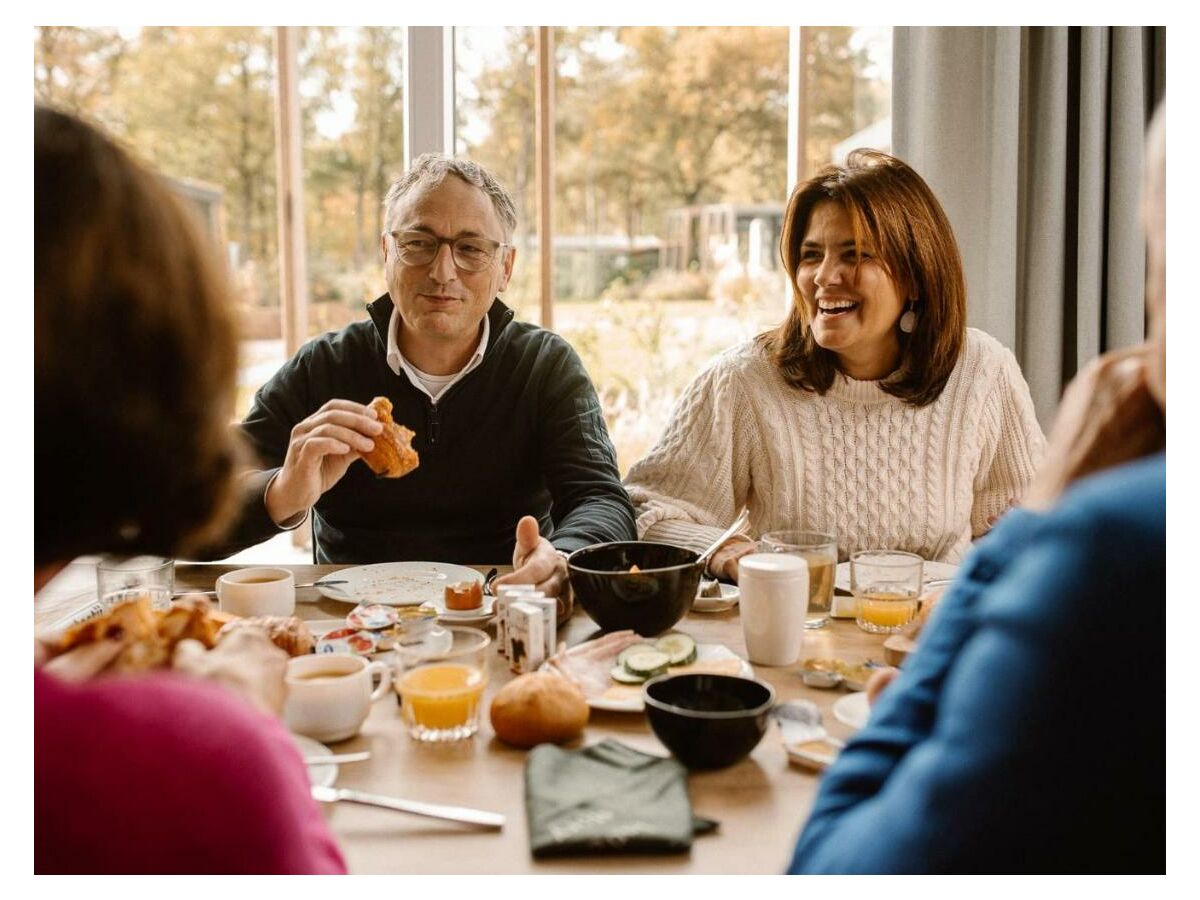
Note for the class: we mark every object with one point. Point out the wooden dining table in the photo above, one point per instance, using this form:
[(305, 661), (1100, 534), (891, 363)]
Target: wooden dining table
[(760, 802)]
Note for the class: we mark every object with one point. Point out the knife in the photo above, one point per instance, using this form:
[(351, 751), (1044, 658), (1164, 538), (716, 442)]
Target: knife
[(334, 759), (478, 817)]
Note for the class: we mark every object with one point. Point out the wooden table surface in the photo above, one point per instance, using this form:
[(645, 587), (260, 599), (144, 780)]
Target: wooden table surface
[(760, 803)]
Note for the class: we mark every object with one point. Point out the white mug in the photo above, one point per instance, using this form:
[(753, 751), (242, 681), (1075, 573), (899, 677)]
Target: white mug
[(329, 694), (257, 592), (774, 606)]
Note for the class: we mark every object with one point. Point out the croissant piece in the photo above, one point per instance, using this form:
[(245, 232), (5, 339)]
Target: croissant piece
[(393, 455)]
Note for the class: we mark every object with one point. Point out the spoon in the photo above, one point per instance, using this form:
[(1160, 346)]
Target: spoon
[(743, 518)]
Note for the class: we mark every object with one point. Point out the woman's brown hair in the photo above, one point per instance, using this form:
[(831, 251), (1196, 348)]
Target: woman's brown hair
[(893, 211), (135, 356)]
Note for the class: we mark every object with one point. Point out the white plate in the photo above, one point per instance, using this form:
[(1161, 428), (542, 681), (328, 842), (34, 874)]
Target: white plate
[(321, 775), (628, 697), (401, 584), (727, 600), (478, 616), (932, 571), (852, 710)]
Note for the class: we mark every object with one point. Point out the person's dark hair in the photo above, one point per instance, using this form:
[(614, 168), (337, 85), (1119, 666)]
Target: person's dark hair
[(893, 211), (135, 356)]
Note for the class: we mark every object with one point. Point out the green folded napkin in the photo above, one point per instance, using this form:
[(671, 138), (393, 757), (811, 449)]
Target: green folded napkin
[(607, 798)]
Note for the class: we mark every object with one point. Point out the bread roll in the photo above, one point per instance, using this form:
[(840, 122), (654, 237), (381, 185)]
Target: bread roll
[(537, 708)]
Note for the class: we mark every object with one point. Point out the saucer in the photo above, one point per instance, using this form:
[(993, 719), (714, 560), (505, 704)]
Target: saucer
[(727, 600), (852, 710), (321, 775)]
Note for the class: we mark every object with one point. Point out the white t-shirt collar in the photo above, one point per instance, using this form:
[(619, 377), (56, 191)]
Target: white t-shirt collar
[(433, 386)]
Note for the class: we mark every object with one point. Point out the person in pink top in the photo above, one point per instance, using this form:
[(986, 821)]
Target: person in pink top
[(186, 770)]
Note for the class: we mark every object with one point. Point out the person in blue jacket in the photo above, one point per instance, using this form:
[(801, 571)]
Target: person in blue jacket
[(1027, 733)]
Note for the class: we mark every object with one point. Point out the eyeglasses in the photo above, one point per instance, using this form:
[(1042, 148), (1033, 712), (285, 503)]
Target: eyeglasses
[(471, 254)]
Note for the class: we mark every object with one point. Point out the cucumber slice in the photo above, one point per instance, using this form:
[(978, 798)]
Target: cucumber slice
[(647, 663), (619, 673), (633, 648), (679, 647)]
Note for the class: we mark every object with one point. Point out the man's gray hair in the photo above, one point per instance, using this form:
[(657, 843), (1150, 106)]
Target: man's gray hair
[(430, 169)]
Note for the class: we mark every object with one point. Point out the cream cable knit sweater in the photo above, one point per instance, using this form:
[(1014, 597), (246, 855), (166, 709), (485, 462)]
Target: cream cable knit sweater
[(878, 472)]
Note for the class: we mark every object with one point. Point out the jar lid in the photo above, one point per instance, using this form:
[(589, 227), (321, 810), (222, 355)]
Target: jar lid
[(772, 565)]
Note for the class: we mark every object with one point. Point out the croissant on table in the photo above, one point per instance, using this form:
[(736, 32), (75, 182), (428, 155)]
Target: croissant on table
[(148, 637), (393, 455)]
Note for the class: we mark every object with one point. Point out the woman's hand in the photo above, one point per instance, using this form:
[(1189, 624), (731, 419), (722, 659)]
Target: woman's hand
[(1107, 417), (245, 662), (724, 562)]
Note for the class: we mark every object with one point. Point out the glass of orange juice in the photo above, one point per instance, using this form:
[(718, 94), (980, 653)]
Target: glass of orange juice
[(887, 584), (441, 695)]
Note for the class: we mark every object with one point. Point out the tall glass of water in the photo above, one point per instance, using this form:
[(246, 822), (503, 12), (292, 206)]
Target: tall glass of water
[(819, 548)]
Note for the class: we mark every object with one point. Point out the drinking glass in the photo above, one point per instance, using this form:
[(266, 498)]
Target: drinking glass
[(819, 549), (121, 578), (441, 691), (887, 584)]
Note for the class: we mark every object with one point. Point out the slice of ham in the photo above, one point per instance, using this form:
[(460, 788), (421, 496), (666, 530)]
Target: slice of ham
[(589, 664)]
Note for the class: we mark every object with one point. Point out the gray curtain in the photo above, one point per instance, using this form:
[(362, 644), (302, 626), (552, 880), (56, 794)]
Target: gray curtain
[(1032, 139)]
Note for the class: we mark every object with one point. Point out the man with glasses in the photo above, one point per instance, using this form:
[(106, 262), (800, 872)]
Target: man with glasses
[(515, 460)]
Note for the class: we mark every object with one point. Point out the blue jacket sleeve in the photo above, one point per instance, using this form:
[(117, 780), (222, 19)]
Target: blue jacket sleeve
[(999, 746)]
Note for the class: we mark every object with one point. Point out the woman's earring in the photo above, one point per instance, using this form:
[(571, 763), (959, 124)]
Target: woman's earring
[(908, 321)]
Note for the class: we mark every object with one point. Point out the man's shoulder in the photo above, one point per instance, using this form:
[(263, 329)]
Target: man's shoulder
[(355, 337), (523, 346), (354, 348), (520, 336)]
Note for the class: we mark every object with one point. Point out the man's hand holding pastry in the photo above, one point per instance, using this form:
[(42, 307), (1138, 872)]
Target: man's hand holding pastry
[(321, 449)]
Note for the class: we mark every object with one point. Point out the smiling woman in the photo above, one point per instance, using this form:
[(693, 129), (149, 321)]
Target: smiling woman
[(871, 233), (871, 412)]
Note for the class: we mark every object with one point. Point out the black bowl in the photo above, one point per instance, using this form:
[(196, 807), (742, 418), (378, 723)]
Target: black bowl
[(649, 601), (708, 721)]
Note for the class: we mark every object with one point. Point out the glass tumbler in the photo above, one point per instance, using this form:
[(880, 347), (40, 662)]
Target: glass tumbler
[(441, 692), (887, 584), (819, 548), (121, 578)]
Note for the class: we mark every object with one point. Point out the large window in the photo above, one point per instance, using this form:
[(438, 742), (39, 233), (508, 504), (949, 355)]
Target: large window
[(670, 180), (670, 169), (352, 94), (494, 112), (197, 103)]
